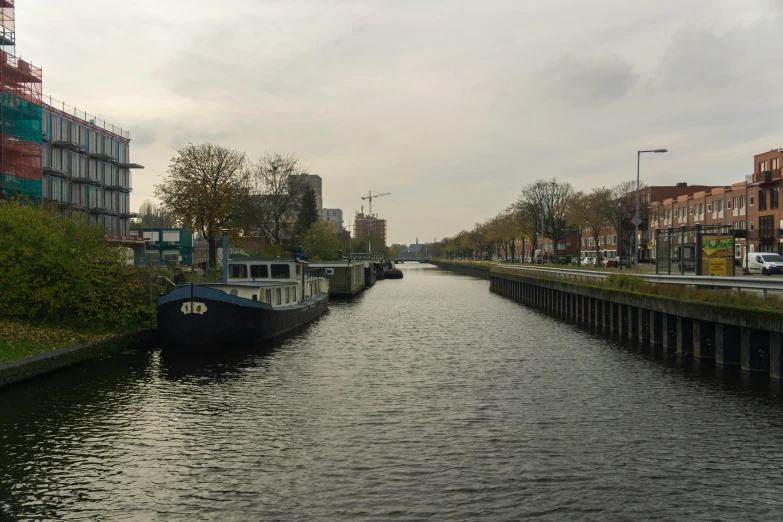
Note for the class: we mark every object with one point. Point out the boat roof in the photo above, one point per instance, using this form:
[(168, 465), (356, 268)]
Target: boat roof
[(332, 264), (263, 258)]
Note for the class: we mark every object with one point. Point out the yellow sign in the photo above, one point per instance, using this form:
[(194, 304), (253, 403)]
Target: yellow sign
[(718, 267)]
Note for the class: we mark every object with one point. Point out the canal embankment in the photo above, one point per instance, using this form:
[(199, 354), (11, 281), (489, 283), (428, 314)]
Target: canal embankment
[(712, 332), (44, 362)]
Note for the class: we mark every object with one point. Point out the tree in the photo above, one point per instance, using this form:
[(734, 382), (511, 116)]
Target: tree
[(204, 189), (151, 215), (57, 268), (622, 210), (275, 197), (550, 198), (319, 241), (593, 211), (309, 214)]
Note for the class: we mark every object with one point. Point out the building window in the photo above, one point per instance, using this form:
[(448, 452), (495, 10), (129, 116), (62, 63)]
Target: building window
[(741, 201), (763, 199), (734, 225), (766, 224), (775, 163), (751, 201), (279, 296), (774, 197), (728, 204), (709, 208), (751, 226), (742, 225), (237, 271)]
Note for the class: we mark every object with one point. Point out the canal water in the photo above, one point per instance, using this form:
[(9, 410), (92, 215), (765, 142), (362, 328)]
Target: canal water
[(424, 398)]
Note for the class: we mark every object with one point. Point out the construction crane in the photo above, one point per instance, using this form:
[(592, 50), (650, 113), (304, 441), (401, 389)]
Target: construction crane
[(371, 196)]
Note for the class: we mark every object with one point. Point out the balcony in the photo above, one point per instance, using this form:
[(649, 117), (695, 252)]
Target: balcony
[(130, 166), (87, 181), (117, 187), (70, 205), (766, 233), (103, 156), (68, 144), (768, 176), (57, 173)]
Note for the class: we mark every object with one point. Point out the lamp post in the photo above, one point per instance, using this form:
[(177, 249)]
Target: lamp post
[(636, 220)]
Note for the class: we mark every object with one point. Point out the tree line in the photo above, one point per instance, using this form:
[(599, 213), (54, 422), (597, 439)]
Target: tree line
[(553, 210), (208, 188)]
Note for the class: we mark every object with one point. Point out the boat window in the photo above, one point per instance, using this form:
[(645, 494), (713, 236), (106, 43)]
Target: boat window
[(298, 271), (237, 271), (259, 271), (280, 271), (279, 296), (268, 296), (287, 295)]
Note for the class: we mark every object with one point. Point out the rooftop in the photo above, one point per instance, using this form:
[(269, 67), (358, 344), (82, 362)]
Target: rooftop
[(87, 118)]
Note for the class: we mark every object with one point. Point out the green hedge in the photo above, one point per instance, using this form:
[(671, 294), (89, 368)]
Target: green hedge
[(54, 268)]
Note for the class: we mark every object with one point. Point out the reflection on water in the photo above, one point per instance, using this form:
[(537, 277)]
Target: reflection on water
[(426, 397)]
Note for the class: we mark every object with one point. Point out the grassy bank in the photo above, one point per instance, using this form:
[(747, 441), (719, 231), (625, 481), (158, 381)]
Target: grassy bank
[(22, 338), (629, 283)]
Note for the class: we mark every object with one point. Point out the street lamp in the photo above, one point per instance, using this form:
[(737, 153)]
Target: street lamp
[(636, 220)]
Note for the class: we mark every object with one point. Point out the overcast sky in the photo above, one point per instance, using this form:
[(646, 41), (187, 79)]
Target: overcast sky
[(451, 105)]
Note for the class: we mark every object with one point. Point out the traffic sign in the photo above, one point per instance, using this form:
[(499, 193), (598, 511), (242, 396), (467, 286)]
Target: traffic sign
[(637, 221)]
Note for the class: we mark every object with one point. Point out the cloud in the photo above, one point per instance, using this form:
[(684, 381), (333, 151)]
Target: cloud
[(580, 80)]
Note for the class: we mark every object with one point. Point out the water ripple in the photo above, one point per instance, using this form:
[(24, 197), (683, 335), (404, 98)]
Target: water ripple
[(425, 398)]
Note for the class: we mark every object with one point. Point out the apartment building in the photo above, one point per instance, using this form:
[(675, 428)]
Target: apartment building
[(610, 242), (86, 169), (52, 151), (334, 217), (749, 208)]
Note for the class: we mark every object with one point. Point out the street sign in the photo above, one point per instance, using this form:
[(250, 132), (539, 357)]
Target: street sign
[(630, 225), (637, 221)]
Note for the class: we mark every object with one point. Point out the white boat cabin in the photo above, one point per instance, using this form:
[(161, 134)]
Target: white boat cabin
[(277, 282)]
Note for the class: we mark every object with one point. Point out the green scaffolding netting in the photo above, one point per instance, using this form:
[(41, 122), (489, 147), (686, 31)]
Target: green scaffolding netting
[(13, 186), (20, 118)]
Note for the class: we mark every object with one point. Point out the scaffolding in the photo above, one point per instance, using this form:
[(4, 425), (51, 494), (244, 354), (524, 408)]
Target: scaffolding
[(21, 113)]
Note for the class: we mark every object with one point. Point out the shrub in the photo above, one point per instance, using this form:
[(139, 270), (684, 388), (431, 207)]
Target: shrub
[(56, 268), (624, 282)]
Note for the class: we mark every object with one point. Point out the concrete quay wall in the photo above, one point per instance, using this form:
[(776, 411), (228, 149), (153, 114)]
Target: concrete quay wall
[(43, 363)]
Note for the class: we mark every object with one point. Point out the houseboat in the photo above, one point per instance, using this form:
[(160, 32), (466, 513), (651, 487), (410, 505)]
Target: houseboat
[(260, 298), (346, 278), (367, 260)]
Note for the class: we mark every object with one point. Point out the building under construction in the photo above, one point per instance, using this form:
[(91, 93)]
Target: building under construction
[(367, 225), (52, 151), (20, 114)]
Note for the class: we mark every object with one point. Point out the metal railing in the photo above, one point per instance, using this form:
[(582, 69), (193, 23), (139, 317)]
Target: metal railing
[(762, 284), (84, 116)]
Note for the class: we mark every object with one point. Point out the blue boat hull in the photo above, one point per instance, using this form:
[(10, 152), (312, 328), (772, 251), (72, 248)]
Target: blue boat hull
[(204, 317)]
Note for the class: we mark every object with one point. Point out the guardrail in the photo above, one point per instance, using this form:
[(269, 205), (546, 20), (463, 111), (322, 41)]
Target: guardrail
[(731, 283)]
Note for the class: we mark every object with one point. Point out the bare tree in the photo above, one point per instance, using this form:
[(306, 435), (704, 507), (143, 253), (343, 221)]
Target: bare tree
[(275, 196), (594, 210), (622, 210), (204, 189), (151, 215), (550, 198)]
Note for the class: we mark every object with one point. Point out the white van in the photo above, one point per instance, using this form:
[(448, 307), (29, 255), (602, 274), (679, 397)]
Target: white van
[(766, 264)]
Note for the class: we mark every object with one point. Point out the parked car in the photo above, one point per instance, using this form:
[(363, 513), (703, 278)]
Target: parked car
[(766, 264), (588, 261), (611, 262), (528, 260), (562, 260)]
